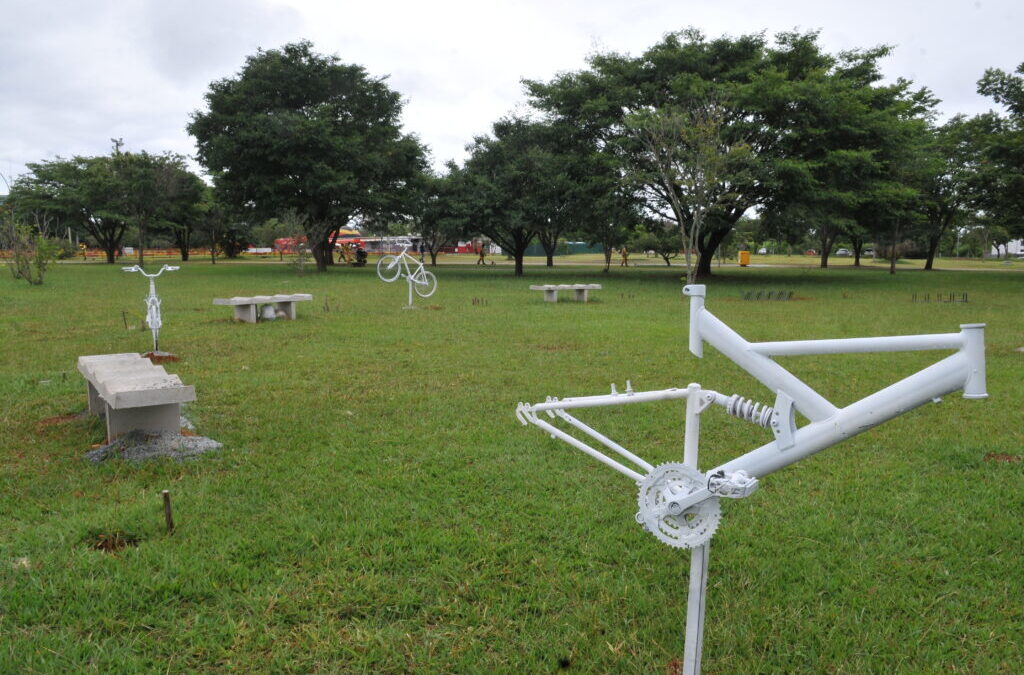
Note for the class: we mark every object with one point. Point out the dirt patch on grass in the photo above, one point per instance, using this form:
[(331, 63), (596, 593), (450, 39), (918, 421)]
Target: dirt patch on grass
[(1001, 457), (59, 419), (161, 357), (112, 542)]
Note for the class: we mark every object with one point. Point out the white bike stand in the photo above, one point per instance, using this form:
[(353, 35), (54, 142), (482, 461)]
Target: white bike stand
[(408, 281), (679, 505), (153, 319)]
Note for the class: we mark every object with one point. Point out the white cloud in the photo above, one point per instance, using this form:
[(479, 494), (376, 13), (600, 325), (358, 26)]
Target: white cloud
[(77, 74)]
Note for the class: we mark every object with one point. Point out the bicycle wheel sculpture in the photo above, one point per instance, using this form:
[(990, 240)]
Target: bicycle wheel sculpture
[(679, 504), (388, 268), (425, 285)]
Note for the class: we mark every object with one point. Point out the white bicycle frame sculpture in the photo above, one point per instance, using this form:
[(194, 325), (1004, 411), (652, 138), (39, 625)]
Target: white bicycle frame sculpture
[(679, 505), (390, 267), (153, 319)]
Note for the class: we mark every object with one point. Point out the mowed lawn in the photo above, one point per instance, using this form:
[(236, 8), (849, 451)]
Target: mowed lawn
[(378, 508)]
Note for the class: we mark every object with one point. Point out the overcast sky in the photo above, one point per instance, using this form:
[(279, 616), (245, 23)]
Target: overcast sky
[(76, 74)]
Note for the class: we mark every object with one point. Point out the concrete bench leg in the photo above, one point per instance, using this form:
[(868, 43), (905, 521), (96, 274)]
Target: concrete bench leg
[(550, 295), (288, 308), (246, 313), (150, 418), (96, 404), (581, 294)]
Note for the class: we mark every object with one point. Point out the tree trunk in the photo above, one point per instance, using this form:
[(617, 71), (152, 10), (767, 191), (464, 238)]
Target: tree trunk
[(142, 262), (933, 246), (433, 258), (707, 253), (111, 254), (321, 254), (519, 262), (858, 246), (892, 253), (607, 257)]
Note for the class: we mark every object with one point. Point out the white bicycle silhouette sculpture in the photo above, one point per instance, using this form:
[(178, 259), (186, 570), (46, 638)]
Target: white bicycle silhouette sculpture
[(153, 319), (390, 267)]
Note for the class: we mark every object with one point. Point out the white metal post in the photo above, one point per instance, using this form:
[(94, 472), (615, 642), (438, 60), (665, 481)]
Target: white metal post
[(695, 598)]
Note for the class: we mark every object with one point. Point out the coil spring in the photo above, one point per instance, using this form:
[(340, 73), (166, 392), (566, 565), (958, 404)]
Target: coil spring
[(747, 409)]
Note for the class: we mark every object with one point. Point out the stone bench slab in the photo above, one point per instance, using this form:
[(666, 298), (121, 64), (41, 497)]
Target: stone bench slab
[(551, 290), (246, 307), (133, 393)]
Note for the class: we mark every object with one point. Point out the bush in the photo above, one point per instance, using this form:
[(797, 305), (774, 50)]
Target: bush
[(31, 251)]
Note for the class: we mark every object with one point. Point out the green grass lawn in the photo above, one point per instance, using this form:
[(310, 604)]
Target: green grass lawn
[(378, 508)]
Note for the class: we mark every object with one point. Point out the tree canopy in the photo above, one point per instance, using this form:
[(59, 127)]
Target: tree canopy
[(299, 131)]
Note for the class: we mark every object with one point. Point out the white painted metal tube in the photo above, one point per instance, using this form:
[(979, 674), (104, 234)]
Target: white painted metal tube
[(767, 372), (944, 377), (580, 445), (895, 343), (696, 293), (609, 399), (974, 349), (604, 440)]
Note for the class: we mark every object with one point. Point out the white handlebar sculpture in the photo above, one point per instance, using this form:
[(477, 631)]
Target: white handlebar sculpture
[(153, 319), (679, 505)]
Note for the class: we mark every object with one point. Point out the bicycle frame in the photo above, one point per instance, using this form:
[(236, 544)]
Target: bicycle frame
[(418, 276), (153, 319), (737, 478)]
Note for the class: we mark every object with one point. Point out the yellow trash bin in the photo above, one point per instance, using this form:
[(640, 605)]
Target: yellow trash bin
[(744, 258)]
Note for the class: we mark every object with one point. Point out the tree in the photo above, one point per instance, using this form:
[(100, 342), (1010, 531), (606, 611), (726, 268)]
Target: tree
[(692, 164), (998, 187), (950, 165), (300, 131), (76, 193), (152, 191), (436, 213), (662, 237), (772, 95), (492, 192)]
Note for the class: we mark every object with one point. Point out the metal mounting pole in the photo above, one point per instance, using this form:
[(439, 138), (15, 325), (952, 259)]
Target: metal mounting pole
[(695, 598)]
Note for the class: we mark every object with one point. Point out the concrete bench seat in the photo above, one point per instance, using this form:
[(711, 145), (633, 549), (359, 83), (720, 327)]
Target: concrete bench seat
[(247, 308), (133, 393), (551, 290)]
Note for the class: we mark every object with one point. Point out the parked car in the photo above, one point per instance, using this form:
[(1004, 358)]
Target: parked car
[(843, 252), (762, 251)]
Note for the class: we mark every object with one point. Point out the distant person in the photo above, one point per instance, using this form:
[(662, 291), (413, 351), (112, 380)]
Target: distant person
[(624, 252), (482, 251)]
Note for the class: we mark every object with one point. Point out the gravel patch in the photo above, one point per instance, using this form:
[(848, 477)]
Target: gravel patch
[(137, 446)]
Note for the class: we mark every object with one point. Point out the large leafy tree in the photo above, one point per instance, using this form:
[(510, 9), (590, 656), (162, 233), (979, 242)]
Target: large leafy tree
[(951, 163), (76, 193), (494, 187), (998, 187), (774, 100), (299, 131)]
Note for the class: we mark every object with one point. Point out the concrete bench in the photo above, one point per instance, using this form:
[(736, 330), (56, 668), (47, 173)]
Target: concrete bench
[(133, 393), (551, 290), (247, 309)]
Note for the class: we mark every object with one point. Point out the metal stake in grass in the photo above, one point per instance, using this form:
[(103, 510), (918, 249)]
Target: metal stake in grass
[(679, 505), (168, 518)]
